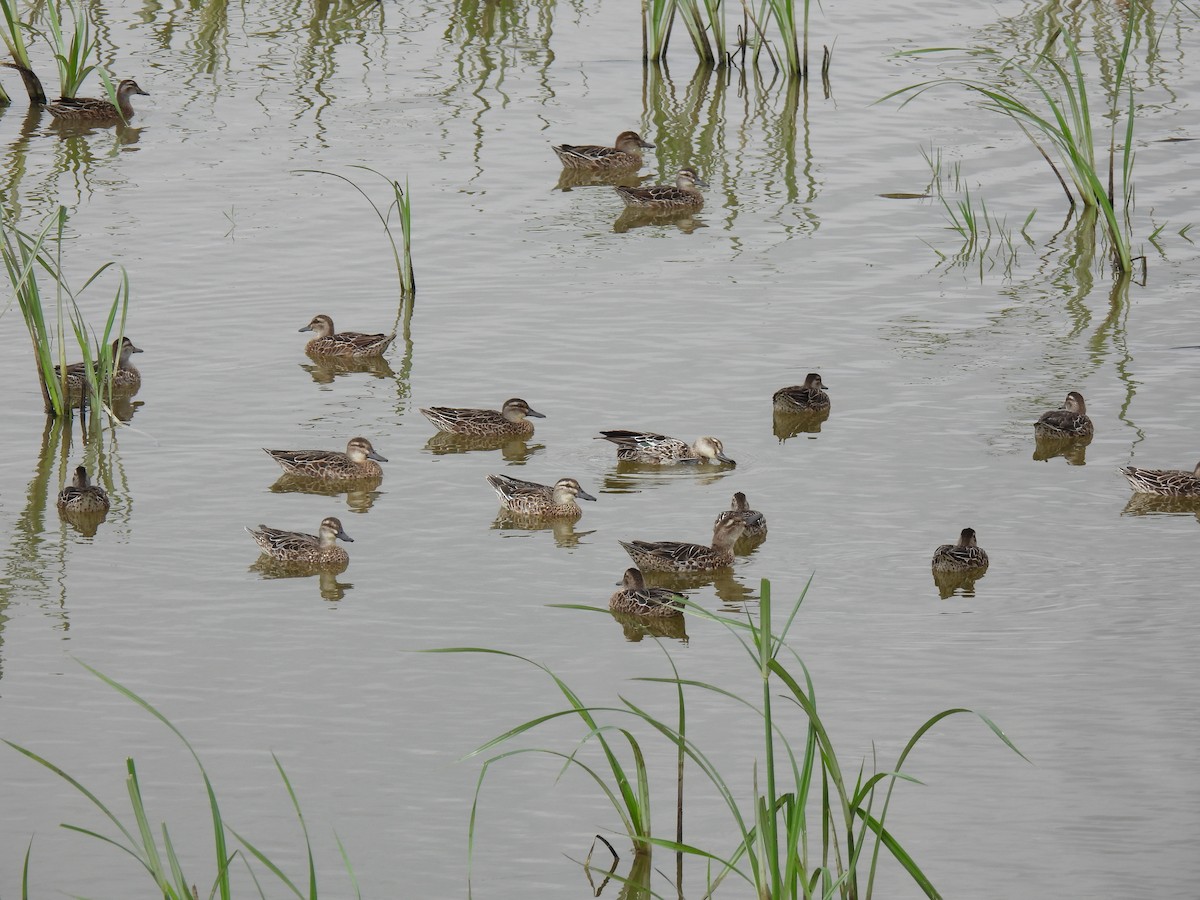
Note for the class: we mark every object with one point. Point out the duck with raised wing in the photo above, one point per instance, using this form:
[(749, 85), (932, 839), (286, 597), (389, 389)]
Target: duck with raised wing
[(126, 379), (1068, 421), (295, 546), (802, 398), (624, 154), (510, 419), (960, 557), (1164, 482), (541, 500), (635, 599), (92, 109), (677, 556), (329, 342), (360, 461), (739, 508), (82, 497), (658, 449), (683, 194)]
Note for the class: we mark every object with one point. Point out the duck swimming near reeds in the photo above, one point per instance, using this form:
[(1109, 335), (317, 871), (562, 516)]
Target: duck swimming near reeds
[(635, 599), (625, 153), (92, 109), (81, 497), (678, 556), (659, 449), (330, 342), (126, 379), (510, 419), (683, 194), (360, 461)]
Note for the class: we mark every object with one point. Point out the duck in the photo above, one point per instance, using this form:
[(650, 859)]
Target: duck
[(683, 194), (510, 419), (1164, 482), (802, 398), (1068, 421), (330, 342), (295, 546), (676, 556), (635, 599), (92, 109), (739, 508), (83, 497), (542, 500), (126, 379), (960, 557), (625, 153), (647, 447), (360, 461)]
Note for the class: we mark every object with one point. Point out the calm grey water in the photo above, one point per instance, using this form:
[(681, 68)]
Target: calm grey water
[(1079, 641)]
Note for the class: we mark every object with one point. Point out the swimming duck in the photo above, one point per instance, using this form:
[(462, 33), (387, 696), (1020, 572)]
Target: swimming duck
[(329, 342), (625, 153), (634, 598), (739, 508), (360, 461), (683, 194), (646, 447), (295, 546), (81, 496), (1068, 421), (126, 379), (509, 420), (542, 500), (676, 556), (802, 398), (91, 109), (1164, 482), (966, 554)]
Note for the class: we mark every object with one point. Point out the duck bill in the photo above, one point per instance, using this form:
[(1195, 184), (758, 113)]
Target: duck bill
[(646, 145), (345, 537), (721, 457), (535, 414), (584, 495), (375, 456), (305, 328), (700, 182)]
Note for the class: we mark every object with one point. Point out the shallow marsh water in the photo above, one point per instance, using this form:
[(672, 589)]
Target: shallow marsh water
[(1079, 641)]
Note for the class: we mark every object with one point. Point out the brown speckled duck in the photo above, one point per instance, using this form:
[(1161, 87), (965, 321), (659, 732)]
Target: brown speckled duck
[(511, 419), (647, 447), (739, 508), (1069, 421), (126, 379), (635, 599), (541, 500), (92, 109), (360, 461), (82, 497), (683, 194), (960, 557), (297, 547), (676, 556), (802, 398), (329, 342), (1164, 482), (625, 153)]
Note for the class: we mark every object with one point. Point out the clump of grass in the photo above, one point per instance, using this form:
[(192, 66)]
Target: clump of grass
[(777, 850), (401, 204), (1057, 120), (25, 255), (161, 861), (74, 56)]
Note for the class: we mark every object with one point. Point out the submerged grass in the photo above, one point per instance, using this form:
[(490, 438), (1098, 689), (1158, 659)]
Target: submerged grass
[(812, 827), (161, 861), (1058, 121), (25, 255)]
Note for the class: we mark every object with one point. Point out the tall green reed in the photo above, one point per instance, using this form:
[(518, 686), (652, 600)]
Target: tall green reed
[(705, 23), (140, 840), (25, 255), (74, 56), (1050, 104), (401, 204), (812, 826)]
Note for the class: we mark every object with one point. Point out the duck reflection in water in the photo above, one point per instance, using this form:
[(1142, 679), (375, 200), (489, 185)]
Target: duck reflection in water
[(514, 449), (328, 585), (787, 425), (324, 369), (569, 179), (563, 530), (728, 589), (1073, 450), (635, 628), (1158, 505), (633, 217), (949, 584), (361, 494)]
